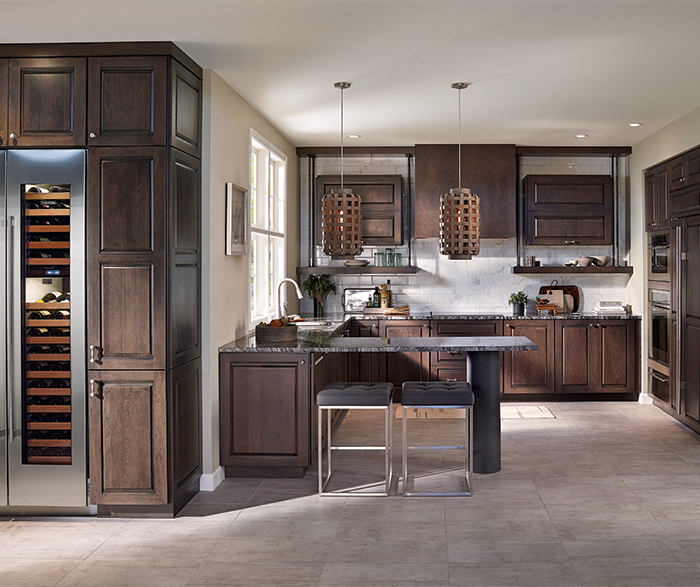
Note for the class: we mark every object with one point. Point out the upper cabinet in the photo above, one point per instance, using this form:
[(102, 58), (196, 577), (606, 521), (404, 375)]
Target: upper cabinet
[(684, 173), (186, 105), (568, 210), (45, 102), (656, 198), (487, 170), (127, 101), (381, 206)]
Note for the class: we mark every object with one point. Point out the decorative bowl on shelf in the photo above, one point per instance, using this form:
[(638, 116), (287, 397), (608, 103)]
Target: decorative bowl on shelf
[(601, 261), (585, 261), (571, 263), (356, 263)]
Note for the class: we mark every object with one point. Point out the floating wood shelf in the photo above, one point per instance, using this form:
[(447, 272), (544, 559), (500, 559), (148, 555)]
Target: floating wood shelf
[(627, 269), (368, 270)]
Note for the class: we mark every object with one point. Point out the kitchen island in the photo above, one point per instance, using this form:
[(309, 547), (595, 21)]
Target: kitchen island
[(267, 392)]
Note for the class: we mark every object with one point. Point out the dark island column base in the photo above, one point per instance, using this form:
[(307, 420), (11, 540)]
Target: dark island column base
[(484, 375)]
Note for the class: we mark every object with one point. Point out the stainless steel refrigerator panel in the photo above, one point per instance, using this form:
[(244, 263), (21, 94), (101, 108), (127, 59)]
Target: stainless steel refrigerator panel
[(39, 484), (3, 347)]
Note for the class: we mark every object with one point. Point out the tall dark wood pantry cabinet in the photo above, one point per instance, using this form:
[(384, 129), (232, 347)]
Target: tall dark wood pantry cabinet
[(136, 108)]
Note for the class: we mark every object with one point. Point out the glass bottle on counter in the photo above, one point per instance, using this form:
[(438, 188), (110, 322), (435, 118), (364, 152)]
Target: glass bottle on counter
[(384, 297), (376, 298), (390, 302)]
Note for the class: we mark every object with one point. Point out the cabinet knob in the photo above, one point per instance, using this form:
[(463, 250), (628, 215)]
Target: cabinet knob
[(1, 137), (93, 135), (302, 362), (13, 135)]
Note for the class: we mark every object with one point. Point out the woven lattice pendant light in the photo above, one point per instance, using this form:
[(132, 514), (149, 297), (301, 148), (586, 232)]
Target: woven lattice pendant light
[(342, 215), (459, 210)]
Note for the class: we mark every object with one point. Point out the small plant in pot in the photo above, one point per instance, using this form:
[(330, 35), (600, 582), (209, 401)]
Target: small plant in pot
[(518, 301), (318, 287)]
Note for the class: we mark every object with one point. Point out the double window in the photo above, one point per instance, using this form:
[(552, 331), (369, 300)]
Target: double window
[(268, 191)]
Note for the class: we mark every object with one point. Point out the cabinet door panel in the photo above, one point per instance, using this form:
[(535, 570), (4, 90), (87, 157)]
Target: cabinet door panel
[(405, 366), (185, 259), (3, 103), (186, 94), (264, 410), (126, 258), (546, 228), (650, 199), (531, 372), (615, 371), (128, 438), (127, 101), (662, 204), (573, 352), (487, 170), (366, 367), (690, 319), (46, 102), (186, 398)]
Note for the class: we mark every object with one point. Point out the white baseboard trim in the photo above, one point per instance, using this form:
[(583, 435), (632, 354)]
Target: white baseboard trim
[(210, 481), (645, 398)]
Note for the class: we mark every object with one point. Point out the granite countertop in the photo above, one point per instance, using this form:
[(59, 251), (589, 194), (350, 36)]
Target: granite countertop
[(316, 341)]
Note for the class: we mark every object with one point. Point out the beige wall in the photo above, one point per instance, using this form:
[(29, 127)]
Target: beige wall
[(678, 136), (228, 119)]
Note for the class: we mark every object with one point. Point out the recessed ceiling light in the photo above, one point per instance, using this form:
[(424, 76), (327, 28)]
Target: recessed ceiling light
[(635, 124), (581, 136), (354, 136)]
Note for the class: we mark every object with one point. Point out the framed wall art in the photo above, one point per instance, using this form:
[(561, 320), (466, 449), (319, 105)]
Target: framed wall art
[(236, 220)]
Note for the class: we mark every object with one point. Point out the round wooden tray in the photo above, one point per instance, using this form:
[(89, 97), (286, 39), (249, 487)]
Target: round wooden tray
[(276, 334)]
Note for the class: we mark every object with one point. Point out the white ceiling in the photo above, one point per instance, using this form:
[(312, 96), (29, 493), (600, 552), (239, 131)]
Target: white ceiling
[(542, 71)]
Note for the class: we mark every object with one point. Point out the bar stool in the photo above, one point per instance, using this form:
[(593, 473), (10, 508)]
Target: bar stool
[(354, 396), (446, 395)]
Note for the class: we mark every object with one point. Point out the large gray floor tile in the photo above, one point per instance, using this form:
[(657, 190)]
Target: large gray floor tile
[(520, 574), (362, 574), (257, 574), (635, 573), (34, 573)]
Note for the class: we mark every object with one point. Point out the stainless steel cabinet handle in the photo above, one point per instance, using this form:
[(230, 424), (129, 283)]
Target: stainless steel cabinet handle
[(13, 135), (570, 242), (655, 375), (302, 362), (453, 353), (95, 354), (95, 389), (93, 135), (317, 361), (10, 353)]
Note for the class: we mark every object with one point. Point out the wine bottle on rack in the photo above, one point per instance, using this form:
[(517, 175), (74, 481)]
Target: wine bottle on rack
[(59, 367), (40, 383), (37, 366), (39, 349), (58, 383), (41, 332), (60, 314), (39, 315), (36, 238), (52, 296), (36, 400), (38, 255), (60, 349), (58, 332)]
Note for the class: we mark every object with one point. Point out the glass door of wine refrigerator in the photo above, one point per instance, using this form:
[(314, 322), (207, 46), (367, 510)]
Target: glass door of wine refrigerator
[(46, 350)]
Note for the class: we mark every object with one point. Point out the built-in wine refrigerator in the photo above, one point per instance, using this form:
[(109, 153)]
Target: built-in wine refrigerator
[(42, 416)]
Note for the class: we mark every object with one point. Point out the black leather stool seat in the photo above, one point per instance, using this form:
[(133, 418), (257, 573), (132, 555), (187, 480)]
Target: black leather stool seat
[(436, 393), (355, 395)]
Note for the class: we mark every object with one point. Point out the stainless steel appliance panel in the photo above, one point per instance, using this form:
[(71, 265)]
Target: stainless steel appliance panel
[(660, 328), (48, 484), (659, 252), (3, 348)]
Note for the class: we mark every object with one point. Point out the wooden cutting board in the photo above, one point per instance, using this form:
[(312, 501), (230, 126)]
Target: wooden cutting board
[(572, 290)]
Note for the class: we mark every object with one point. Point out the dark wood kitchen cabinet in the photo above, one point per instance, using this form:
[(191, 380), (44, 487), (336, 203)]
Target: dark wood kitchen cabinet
[(597, 356), (405, 366), (684, 170), (3, 103), (264, 411), (531, 372), (657, 213), (382, 206), (46, 100), (366, 367), (487, 170), (568, 210), (127, 102), (128, 438), (452, 365), (126, 243)]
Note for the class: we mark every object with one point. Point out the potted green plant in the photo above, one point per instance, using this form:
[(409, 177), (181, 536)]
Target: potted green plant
[(518, 301), (318, 287)]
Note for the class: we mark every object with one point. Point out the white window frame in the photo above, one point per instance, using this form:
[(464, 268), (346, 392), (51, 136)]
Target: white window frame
[(268, 228)]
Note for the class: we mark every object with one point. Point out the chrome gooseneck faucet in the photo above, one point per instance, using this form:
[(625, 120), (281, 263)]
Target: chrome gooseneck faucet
[(282, 309)]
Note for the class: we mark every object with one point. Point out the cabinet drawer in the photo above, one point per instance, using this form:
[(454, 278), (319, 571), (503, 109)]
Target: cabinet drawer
[(686, 202), (551, 228)]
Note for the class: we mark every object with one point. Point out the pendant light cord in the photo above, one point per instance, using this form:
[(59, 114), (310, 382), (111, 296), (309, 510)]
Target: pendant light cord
[(342, 90), (459, 136)]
